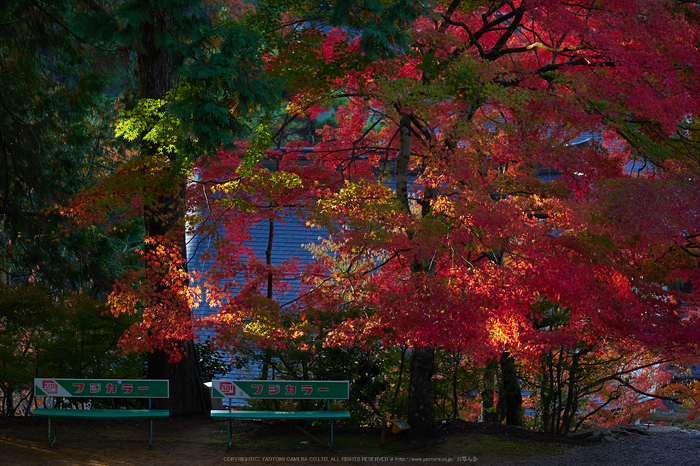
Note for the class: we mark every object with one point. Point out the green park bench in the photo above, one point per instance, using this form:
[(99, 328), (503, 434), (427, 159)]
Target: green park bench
[(280, 390), (101, 388)]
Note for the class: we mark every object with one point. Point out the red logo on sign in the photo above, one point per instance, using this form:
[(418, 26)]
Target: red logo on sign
[(227, 388), (49, 386)]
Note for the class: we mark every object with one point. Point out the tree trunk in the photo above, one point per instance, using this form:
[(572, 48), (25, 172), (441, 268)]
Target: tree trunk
[(165, 218), (455, 389), (511, 391), (187, 394), (501, 408), (546, 392), (9, 408), (267, 353), (571, 396), (488, 410), (420, 407)]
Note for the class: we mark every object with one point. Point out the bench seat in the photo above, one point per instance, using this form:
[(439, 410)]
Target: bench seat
[(103, 413), (243, 414)]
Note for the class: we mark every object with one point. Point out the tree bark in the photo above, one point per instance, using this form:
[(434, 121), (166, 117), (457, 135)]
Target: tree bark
[(571, 396), (488, 411), (165, 218), (420, 407), (546, 392), (511, 391), (187, 394)]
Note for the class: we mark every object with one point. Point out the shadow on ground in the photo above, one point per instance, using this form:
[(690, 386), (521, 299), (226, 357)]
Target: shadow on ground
[(191, 440)]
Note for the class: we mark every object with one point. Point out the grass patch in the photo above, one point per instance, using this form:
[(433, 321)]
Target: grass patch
[(203, 441), (285, 436), (485, 444)]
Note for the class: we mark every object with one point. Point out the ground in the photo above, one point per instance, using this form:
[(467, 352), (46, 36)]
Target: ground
[(24, 441)]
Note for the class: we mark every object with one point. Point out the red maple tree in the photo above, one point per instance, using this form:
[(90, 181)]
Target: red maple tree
[(441, 233), (487, 97)]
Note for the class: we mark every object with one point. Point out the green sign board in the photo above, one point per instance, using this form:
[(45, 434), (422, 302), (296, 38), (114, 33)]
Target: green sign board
[(103, 388), (281, 389)]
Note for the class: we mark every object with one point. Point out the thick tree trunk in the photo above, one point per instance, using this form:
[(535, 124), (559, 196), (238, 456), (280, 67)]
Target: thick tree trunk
[(165, 218), (187, 394), (420, 406), (420, 409), (155, 63), (187, 391), (511, 391)]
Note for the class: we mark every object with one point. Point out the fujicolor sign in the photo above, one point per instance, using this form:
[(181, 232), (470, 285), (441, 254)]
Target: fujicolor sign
[(112, 388), (281, 389)]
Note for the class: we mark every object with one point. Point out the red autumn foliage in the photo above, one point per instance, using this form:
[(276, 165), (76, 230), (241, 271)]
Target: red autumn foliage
[(160, 292), (486, 97)]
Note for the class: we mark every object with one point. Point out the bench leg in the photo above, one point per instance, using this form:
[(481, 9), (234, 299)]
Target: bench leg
[(331, 433), (52, 435), (150, 436), (228, 434)]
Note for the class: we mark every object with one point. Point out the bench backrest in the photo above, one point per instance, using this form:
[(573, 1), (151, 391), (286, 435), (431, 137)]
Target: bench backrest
[(103, 388), (281, 389)]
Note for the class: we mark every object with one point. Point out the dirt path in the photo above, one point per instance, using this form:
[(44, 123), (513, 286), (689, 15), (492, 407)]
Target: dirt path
[(24, 441)]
